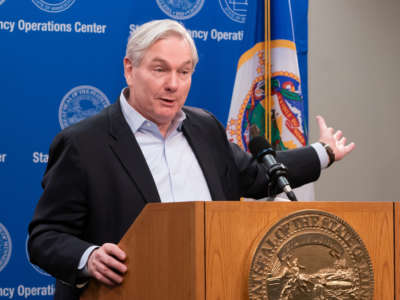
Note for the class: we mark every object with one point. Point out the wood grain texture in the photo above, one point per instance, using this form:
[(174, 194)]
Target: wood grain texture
[(233, 231), (165, 249), (204, 250)]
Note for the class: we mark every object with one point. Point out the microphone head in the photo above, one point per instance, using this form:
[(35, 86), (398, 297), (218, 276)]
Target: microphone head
[(258, 145)]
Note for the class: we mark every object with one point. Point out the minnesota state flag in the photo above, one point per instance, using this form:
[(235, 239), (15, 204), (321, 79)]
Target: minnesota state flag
[(267, 97)]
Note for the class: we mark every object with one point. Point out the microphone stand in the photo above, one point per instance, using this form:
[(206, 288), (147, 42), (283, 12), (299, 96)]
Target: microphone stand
[(263, 152), (275, 172)]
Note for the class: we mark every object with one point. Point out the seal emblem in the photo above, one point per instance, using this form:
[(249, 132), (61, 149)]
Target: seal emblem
[(180, 9), (54, 6), (5, 247), (79, 103), (311, 254), (236, 10), (2, 1)]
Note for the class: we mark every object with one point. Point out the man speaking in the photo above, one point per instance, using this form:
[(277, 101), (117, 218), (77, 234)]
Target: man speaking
[(146, 147)]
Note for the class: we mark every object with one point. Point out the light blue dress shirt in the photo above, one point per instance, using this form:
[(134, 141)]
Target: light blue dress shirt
[(171, 160)]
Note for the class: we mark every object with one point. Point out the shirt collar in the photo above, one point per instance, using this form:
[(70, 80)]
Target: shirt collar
[(136, 120)]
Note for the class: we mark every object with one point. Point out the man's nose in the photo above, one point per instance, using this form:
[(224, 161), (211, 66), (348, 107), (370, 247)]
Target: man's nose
[(172, 82)]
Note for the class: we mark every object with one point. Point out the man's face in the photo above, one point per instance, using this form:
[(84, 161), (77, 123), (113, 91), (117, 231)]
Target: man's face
[(160, 84)]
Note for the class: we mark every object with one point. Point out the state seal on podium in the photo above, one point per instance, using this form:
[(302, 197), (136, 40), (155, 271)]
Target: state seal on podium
[(311, 254)]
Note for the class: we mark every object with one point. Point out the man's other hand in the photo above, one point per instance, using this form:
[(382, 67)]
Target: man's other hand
[(334, 139), (106, 264)]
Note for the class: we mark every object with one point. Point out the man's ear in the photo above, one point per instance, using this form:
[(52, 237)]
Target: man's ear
[(128, 66)]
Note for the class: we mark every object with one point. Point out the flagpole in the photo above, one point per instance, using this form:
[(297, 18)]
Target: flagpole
[(267, 73)]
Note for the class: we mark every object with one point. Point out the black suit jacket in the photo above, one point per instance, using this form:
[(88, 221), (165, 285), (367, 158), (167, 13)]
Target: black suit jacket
[(97, 182)]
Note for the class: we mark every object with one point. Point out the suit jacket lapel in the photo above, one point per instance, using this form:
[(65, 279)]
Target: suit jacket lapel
[(129, 154), (200, 143)]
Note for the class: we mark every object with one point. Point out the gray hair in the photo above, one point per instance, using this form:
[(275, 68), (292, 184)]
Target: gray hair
[(149, 33)]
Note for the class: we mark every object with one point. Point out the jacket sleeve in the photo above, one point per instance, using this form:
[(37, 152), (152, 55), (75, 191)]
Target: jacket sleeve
[(303, 167), (55, 232)]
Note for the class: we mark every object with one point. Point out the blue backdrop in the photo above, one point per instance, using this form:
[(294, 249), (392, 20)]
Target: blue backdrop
[(61, 60)]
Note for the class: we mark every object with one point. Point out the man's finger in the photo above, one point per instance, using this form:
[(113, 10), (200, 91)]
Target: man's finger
[(100, 277), (115, 264), (112, 276), (321, 121), (321, 124), (338, 134), (350, 147), (104, 273), (114, 250)]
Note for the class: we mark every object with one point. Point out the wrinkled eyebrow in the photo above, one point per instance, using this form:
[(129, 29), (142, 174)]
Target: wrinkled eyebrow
[(163, 61)]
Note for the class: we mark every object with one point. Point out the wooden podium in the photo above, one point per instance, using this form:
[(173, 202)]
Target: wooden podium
[(203, 250)]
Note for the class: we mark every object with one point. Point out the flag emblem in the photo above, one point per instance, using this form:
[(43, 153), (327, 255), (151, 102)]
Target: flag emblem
[(286, 113), (247, 117)]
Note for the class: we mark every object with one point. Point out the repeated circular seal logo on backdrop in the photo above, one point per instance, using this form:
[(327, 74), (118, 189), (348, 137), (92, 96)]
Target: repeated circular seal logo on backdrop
[(236, 10), (79, 103), (180, 9), (53, 6), (5, 247), (311, 254), (37, 269)]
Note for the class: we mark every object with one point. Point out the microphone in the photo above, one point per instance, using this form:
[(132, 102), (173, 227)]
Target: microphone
[(262, 150)]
